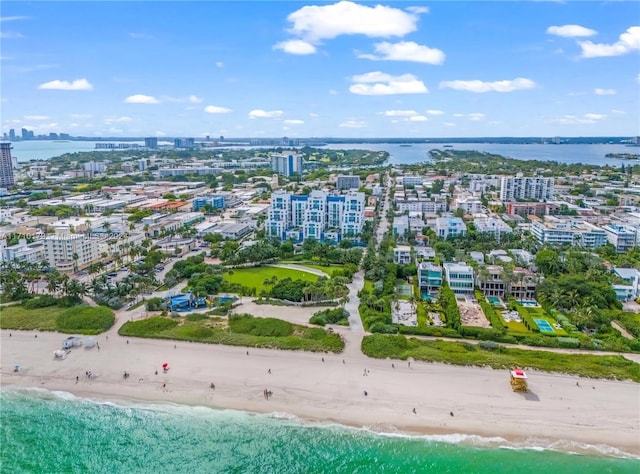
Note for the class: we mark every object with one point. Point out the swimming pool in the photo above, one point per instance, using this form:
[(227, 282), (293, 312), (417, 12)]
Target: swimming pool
[(543, 325), (530, 304), (427, 297), (494, 300)]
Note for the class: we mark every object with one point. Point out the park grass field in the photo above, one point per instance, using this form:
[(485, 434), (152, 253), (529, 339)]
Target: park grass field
[(254, 277)]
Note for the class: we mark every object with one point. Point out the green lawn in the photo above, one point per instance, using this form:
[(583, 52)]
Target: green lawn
[(323, 268), (368, 287), (18, 317), (254, 277)]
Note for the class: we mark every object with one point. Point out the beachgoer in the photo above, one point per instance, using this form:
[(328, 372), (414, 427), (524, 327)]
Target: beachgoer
[(107, 337), (451, 413), (156, 372), (77, 379), (9, 334), (269, 371), (365, 393), (164, 386), (247, 352), (175, 346), (414, 411), (343, 361), (577, 384), (212, 386), (409, 363), (127, 341), (323, 359), (36, 336)]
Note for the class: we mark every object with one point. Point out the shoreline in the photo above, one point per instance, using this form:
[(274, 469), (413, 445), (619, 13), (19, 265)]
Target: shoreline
[(557, 414)]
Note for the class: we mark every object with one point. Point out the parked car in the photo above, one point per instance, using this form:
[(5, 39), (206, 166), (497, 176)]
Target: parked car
[(112, 274)]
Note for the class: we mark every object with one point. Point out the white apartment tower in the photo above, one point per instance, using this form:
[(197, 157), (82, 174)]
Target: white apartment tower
[(522, 187), (319, 216)]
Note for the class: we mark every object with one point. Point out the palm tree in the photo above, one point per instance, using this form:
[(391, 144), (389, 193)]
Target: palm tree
[(75, 258)]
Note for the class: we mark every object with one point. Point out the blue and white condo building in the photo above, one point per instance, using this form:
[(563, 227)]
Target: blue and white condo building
[(287, 163), (320, 215)]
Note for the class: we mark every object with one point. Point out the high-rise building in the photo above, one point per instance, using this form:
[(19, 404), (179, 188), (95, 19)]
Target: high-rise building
[(319, 216), (522, 187), (12, 135), (287, 163), (151, 142), (25, 134), (142, 164), (6, 166), (184, 143)]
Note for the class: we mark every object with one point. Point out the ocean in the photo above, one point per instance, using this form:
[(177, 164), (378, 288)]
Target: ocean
[(56, 432), (587, 154)]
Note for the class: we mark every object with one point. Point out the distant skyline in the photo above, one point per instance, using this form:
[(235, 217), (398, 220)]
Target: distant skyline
[(304, 69)]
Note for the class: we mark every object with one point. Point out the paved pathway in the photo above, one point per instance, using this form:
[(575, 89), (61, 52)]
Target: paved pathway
[(302, 268)]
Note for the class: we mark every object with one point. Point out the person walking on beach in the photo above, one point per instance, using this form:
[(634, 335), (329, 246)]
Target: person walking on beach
[(269, 371), (212, 386), (323, 360), (164, 387), (415, 412), (77, 379)]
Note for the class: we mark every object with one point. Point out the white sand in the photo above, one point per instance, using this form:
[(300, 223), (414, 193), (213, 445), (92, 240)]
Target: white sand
[(481, 399)]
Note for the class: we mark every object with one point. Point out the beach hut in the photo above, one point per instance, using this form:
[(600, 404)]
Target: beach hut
[(518, 380)]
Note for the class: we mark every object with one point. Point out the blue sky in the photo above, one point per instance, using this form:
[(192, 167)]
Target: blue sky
[(302, 69)]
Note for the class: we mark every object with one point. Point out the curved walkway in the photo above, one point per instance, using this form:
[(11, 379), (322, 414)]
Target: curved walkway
[(302, 268)]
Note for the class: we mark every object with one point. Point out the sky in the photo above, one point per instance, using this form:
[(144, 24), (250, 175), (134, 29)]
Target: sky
[(321, 69)]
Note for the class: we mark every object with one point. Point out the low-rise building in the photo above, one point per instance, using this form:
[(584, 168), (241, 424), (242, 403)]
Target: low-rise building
[(489, 280), (623, 238), (24, 252), (460, 277), (557, 231), (70, 252), (402, 254), (494, 226), (429, 277), (524, 283), (448, 227)]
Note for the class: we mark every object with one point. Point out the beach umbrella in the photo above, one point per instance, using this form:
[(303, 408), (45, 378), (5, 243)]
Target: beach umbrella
[(165, 365)]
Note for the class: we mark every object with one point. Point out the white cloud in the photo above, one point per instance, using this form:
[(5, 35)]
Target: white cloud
[(496, 86), (112, 120), (599, 91), (405, 51), (11, 35), (14, 18), (214, 109), (574, 119), (259, 113), (570, 31), (81, 116), (418, 118), (219, 64), (295, 46), (449, 124), (77, 85), (36, 117), (160, 133), (476, 117), (333, 92), (141, 99), (353, 124), (627, 42), (418, 10), (379, 83), (194, 99), (618, 112), (294, 122), (314, 115), (399, 113), (315, 23), (435, 112)]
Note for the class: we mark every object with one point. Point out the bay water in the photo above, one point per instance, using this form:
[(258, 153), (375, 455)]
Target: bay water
[(56, 432)]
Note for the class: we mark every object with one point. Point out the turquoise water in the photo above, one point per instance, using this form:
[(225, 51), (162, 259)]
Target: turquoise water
[(543, 325), (54, 432)]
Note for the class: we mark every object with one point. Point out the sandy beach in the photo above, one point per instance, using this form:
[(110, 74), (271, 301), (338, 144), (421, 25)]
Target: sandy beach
[(557, 411)]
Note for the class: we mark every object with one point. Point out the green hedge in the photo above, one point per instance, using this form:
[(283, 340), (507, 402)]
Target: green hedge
[(330, 316), (269, 327), (436, 331), (447, 300), (85, 320), (494, 318)]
